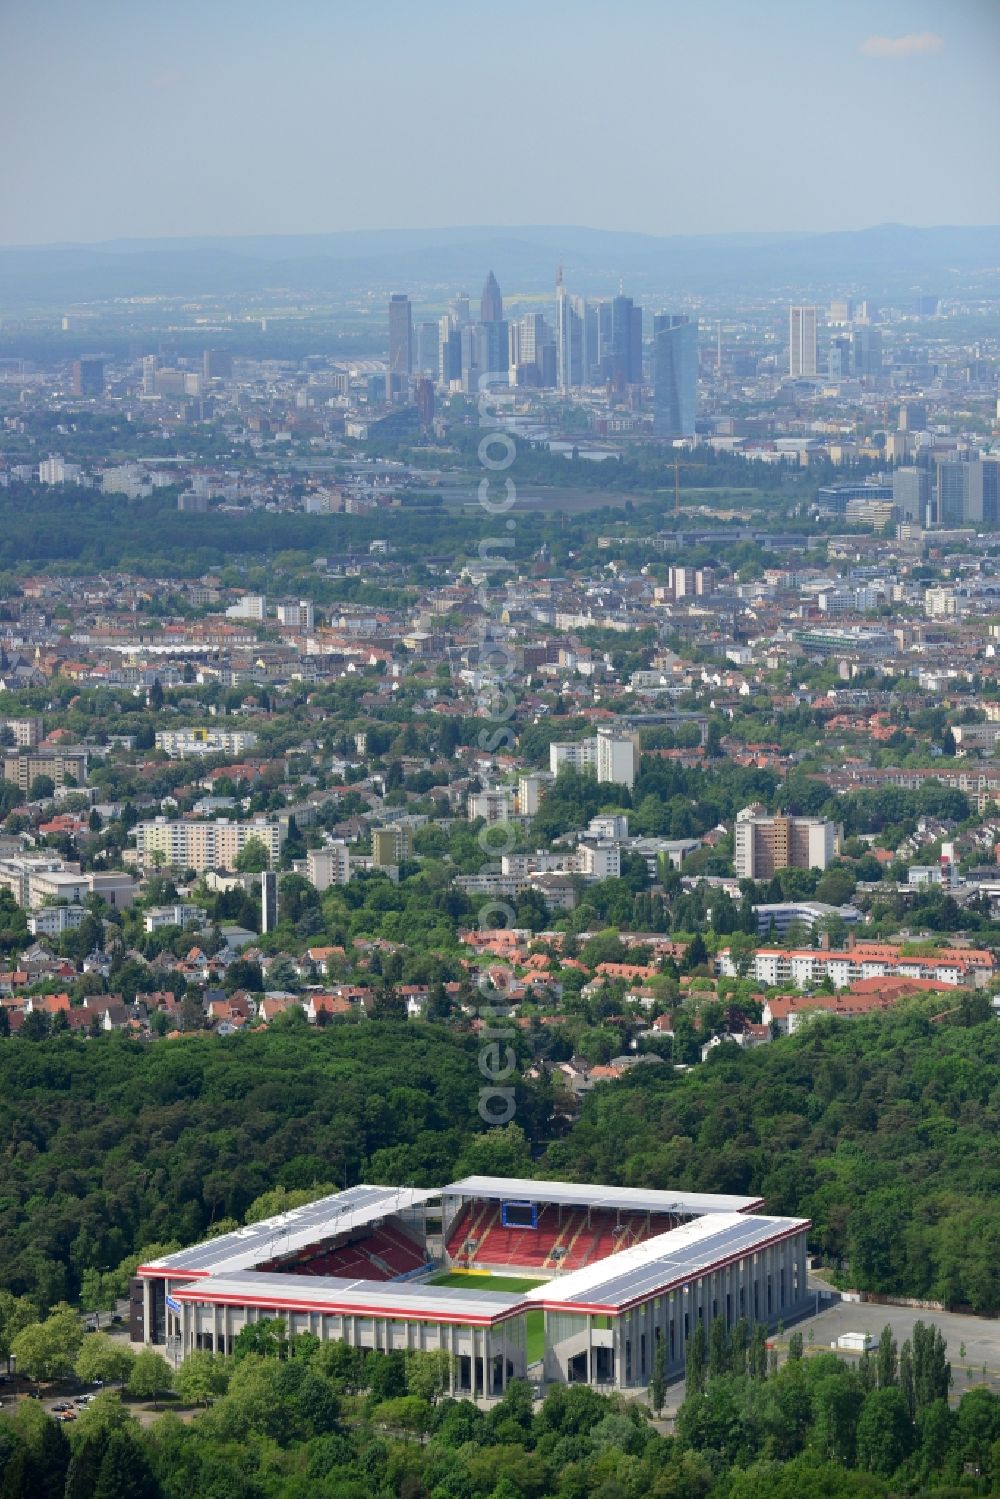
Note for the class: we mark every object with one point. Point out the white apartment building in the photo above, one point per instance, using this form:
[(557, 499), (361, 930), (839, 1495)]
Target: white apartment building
[(26, 732), (180, 914), (55, 470), (181, 744), (300, 616), (495, 804), (617, 758), (250, 606), (613, 756), (203, 845), (328, 866)]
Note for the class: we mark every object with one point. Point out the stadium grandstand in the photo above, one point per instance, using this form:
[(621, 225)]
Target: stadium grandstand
[(554, 1281)]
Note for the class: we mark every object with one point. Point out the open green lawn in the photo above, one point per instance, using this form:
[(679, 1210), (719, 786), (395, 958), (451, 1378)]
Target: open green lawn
[(536, 1319)]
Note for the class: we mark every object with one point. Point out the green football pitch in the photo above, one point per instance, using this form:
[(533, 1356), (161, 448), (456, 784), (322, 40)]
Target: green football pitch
[(536, 1319), (469, 1282)]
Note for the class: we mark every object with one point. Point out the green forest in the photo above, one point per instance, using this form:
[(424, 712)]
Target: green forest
[(302, 1419)]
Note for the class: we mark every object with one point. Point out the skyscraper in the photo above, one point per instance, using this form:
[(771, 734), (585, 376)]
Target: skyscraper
[(675, 375), (491, 303), (626, 342), (801, 342), (569, 338), (866, 351), (458, 309), (911, 494), (427, 349), (88, 377), (423, 399), (400, 334), (449, 352)]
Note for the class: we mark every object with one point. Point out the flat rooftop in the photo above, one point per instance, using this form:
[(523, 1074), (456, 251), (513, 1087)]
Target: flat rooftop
[(333, 1295), (589, 1195), (661, 1263), (287, 1233)]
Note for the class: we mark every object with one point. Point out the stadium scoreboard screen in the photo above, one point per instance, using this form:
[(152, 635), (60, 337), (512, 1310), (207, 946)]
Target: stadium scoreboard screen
[(519, 1214)]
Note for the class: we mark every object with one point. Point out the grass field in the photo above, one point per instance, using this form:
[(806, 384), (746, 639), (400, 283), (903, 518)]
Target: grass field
[(536, 1319), (463, 1279)]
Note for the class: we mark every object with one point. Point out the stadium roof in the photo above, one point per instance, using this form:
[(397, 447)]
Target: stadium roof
[(587, 1195), (658, 1264), (287, 1233), (366, 1298)]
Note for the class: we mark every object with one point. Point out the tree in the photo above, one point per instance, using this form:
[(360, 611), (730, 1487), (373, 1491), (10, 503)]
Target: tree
[(795, 1347), (253, 857), (125, 1472), (267, 1338), (658, 1380), (151, 1375), (201, 1378), (718, 1348), (694, 1360), (16, 1313), (46, 1350), (97, 1291), (104, 1360), (885, 1359), (837, 1403), (739, 1347), (931, 1369), (757, 1357), (42, 789), (428, 1374), (885, 1434)]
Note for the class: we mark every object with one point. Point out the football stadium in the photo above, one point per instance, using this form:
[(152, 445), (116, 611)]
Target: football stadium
[(559, 1282)]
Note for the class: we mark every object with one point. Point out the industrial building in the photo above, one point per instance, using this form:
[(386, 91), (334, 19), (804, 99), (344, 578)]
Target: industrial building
[(612, 1273)]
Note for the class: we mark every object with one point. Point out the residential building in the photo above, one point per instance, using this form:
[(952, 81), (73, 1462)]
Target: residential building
[(329, 865), (203, 845), (764, 844), (183, 744), (392, 845)]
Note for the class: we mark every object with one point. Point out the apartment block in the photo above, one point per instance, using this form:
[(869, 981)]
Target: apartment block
[(181, 744), (203, 845), (765, 844)]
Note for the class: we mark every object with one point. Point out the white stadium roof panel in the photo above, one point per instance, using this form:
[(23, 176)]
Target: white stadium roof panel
[(332, 1295), (288, 1233), (587, 1194)]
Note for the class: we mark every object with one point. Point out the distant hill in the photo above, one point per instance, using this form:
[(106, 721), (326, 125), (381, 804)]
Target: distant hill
[(886, 259)]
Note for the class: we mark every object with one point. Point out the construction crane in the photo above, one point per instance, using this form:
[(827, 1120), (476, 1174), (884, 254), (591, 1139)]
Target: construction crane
[(680, 463)]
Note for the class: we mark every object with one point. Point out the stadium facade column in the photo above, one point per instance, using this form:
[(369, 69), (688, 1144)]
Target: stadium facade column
[(148, 1330)]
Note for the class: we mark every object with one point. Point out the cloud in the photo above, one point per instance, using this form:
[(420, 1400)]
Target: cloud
[(913, 44)]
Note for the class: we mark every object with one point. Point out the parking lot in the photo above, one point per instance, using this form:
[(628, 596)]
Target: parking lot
[(979, 1335)]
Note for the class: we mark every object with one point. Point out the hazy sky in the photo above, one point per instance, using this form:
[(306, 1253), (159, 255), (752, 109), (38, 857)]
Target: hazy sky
[(134, 118)]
